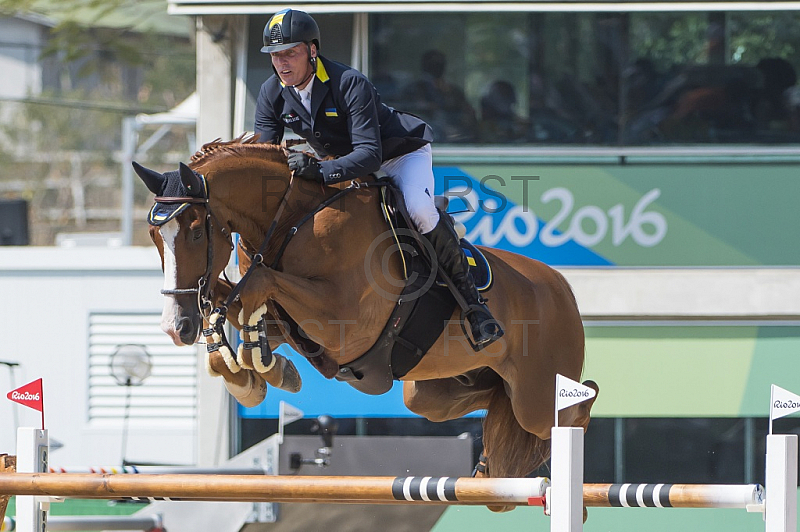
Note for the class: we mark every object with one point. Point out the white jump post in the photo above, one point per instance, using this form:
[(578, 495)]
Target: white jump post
[(565, 499), (566, 490), (781, 480), (32, 457)]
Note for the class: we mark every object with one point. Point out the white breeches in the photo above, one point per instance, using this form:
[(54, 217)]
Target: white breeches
[(412, 173)]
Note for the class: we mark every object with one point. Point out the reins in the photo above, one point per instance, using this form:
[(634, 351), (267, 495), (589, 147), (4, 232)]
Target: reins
[(354, 185), (254, 336), (258, 257), (215, 333)]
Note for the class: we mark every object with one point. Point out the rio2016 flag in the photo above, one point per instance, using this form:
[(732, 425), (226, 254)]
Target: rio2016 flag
[(30, 395), (782, 403), (570, 392)]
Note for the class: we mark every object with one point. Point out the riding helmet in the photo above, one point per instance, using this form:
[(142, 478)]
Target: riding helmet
[(289, 28)]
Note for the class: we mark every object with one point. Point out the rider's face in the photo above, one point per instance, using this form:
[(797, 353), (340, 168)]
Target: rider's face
[(293, 66)]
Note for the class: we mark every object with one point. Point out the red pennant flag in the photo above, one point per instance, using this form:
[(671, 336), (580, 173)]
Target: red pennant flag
[(29, 395)]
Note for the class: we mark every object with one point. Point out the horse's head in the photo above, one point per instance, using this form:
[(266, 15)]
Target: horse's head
[(193, 243)]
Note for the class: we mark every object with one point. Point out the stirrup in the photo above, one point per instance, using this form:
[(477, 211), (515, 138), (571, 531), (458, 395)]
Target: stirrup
[(479, 344)]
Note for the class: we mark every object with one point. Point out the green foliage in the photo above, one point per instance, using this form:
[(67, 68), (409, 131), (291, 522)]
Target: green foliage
[(66, 128), (668, 38), (760, 35), (86, 29)]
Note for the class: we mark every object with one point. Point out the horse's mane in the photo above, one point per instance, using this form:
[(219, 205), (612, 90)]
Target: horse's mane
[(242, 146)]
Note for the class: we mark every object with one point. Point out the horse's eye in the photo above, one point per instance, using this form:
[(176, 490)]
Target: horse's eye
[(197, 234)]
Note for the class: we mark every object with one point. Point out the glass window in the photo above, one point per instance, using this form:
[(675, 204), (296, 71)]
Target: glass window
[(593, 78)]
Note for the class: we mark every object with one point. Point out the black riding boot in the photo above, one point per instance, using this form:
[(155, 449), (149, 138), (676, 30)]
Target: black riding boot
[(484, 327)]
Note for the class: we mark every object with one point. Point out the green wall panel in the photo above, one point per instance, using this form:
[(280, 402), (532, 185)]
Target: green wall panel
[(690, 371)]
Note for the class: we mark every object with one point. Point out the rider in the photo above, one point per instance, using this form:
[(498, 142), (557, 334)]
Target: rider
[(339, 113)]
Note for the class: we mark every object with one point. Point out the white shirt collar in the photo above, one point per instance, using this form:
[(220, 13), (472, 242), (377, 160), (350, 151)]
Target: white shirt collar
[(308, 87)]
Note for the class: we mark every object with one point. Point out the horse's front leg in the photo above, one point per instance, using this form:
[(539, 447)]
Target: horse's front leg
[(247, 386), (276, 369)]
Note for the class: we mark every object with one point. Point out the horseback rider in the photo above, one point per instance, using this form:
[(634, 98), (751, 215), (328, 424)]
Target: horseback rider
[(339, 113)]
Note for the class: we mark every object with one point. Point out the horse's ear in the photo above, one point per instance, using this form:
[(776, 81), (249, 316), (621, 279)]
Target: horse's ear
[(190, 180), (152, 179)]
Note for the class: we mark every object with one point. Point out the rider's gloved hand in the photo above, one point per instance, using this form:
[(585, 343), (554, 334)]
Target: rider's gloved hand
[(305, 166)]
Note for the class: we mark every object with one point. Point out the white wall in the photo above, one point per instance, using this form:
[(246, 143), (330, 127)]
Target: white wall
[(49, 294), (20, 46), (686, 293)]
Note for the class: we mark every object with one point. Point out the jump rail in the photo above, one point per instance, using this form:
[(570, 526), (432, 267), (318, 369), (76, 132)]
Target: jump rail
[(160, 470), (369, 490), (37, 488), (356, 490)]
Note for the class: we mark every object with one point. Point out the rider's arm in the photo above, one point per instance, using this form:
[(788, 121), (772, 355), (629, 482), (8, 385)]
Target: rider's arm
[(360, 98), (268, 125)]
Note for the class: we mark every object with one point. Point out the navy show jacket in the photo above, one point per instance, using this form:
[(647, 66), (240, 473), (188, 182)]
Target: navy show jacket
[(347, 121)]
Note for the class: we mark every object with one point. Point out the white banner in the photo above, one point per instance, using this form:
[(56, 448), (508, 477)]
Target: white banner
[(569, 392), (783, 403)]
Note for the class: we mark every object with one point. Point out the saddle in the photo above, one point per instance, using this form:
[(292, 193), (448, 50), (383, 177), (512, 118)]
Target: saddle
[(422, 310)]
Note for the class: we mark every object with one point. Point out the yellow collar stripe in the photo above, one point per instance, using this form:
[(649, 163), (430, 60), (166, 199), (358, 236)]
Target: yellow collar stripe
[(322, 74)]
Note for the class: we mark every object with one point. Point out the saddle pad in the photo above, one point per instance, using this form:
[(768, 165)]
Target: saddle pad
[(478, 265)]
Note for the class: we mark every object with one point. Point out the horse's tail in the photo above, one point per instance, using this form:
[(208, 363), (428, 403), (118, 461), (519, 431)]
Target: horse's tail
[(511, 451)]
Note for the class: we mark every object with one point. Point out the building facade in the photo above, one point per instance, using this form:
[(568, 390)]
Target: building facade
[(646, 150)]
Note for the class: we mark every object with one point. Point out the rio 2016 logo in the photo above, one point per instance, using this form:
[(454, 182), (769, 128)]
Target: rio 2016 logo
[(26, 396), (575, 393), (587, 226)]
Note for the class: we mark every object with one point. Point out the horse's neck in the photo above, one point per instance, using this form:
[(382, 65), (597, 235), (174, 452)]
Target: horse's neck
[(252, 208)]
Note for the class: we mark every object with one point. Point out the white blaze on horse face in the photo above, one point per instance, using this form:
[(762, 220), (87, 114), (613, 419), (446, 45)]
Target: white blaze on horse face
[(169, 232)]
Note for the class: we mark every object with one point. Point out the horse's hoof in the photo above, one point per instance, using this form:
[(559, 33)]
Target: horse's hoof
[(250, 394), (284, 375)]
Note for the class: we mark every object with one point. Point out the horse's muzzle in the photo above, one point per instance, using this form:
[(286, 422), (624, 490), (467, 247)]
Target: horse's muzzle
[(187, 330)]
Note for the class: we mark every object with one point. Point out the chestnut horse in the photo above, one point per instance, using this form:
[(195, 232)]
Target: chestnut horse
[(339, 278)]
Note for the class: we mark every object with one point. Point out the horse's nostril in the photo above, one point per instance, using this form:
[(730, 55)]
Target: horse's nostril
[(186, 329)]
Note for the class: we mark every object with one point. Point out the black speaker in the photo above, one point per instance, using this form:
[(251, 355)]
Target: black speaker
[(13, 222)]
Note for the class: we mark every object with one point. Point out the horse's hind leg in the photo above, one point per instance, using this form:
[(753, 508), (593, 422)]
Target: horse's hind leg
[(515, 451), (452, 397)]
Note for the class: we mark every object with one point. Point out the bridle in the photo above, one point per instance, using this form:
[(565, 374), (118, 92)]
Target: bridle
[(203, 288)]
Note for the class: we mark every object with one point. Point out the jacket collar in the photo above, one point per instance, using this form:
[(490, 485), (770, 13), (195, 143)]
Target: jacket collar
[(318, 92), (321, 73)]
